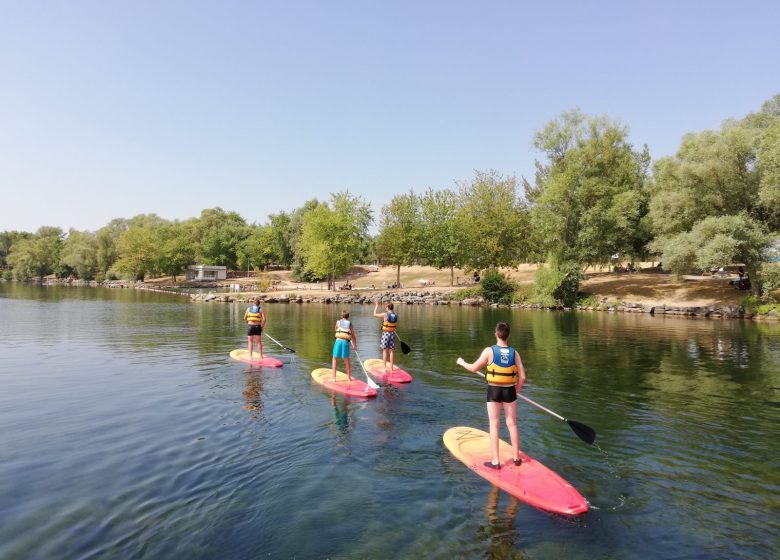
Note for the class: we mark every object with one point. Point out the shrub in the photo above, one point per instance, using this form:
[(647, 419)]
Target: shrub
[(464, 293), (769, 280), (557, 284), (8, 275), (496, 287), (264, 282)]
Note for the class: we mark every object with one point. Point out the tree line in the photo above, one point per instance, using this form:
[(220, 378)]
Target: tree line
[(715, 202)]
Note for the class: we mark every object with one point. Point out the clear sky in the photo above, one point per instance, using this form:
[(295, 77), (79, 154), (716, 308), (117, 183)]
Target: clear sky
[(114, 108)]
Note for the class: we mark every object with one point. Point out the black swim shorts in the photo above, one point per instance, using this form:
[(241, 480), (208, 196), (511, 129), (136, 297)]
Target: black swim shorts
[(507, 394), (254, 330)]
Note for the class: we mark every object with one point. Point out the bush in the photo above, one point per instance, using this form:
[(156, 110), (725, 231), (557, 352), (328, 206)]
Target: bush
[(8, 275), (464, 293), (496, 287), (264, 282), (769, 280), (557, 284), (523, 293)]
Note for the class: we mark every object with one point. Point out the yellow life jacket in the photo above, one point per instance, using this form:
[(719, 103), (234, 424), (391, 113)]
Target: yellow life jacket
[(254, 314), (342, 330), (503, 370), (390, 322)]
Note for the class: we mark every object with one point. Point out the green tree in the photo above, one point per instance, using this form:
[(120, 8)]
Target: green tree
[(590, 198), (258, 248), (36, 256), (493, 220), (280, 232), (218, 234), (333, 234), (175, 249), (715, 201), (138, 247), (440, 232), (106, 238), (398, 241), (79, 253), (295, 229), (7, 240)]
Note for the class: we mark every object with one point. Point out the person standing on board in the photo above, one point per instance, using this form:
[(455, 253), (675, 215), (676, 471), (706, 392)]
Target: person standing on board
[(505, 377), (255, 318), (389, 323), (344, 334)]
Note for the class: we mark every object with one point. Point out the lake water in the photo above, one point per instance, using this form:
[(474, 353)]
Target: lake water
[(127, 432)]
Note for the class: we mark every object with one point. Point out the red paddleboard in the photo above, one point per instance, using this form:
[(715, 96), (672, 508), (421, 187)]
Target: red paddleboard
[(353, 388), (531, 482), (376, 368), (243, 356)]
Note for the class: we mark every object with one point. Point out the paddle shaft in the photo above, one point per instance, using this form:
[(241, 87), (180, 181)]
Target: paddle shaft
[(279, 343), (371, 382)]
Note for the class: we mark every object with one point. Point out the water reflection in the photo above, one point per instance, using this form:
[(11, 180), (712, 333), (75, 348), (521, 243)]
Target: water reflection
[(253, 390), (499, 533)]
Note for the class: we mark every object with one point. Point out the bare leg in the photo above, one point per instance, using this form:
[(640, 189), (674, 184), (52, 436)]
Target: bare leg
[(249, 346), (349, 370), (334, 369), (494, 417), (260, 347), (510, 413), (384, 358), (392, 359)]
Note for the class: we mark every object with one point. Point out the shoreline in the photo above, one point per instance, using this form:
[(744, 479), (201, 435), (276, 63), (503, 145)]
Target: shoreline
[(429, 296)]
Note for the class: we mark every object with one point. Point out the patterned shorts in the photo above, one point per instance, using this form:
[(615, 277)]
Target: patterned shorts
[(388, 341)]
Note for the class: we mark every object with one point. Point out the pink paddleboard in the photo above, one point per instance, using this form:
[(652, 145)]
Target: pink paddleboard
[(243, 356), (376, 368), (531, 482), (353, 388)]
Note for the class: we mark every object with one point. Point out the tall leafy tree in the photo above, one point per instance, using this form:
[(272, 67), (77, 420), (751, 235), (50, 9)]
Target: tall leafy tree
[(79, 253), (333, 234), (139, 246), (714, 202), (175, 249), (441, 235), (590, 197), (398, 241), (218, 234), (279, 233), (37, 256), (7, 240), (493, 222), (106, 238), (257, 249)]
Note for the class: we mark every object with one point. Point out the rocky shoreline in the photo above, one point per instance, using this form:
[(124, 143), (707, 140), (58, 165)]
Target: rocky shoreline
[(439, 298)]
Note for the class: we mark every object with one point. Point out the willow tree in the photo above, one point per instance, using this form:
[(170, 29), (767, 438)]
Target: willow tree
[(716, 200), (333, 235), (398, 242)]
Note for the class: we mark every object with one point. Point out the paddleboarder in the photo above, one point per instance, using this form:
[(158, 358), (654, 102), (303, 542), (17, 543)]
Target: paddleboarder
[(389, 324), (344, 335), (505, 377), (255, 318)]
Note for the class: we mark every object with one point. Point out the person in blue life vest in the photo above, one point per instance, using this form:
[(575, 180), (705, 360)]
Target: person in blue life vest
[(255, 319), (344, 335), (389, 324), (505, 377)]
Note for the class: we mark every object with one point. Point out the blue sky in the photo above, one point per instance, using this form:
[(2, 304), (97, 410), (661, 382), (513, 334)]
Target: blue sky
[(110, 109)]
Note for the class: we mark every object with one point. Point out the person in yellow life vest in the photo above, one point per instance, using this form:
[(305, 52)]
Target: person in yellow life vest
[(344, 335), (255, 318), (389, 324), (505, 377)]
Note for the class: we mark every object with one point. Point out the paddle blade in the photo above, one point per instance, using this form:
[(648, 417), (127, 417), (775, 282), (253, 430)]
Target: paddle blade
[(289, 349), (404, 347), (585, 433)]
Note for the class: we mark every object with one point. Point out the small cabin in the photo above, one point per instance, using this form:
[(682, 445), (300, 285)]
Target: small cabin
[(206, 272)]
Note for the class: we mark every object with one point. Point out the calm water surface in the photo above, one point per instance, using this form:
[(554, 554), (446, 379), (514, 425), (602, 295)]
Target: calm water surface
[(127, 432)]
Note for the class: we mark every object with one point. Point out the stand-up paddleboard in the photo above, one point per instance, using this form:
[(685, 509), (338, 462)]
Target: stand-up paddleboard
[(530, 482), (243, 356), (353, 388), (376, 368)]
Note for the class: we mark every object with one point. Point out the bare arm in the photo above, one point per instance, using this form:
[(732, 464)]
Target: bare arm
[(354, 337), (376, 306), (522, 377), (481, 362), (262, 320)]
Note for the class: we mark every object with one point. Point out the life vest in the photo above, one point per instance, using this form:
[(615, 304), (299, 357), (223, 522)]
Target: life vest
[(342, 330), (391, 320), (503, 370), (254, 314)]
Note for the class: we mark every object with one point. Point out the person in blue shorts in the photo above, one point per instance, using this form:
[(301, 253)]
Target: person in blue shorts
[(344, 335)]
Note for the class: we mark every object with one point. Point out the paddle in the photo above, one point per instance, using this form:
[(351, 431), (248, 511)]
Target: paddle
[(585, 433), (280, 344), (404, 346), (371, 382)]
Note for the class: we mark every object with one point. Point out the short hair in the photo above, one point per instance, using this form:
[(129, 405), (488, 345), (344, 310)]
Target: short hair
[(390, 306), (345, 314), (257, 301), (502, 331)]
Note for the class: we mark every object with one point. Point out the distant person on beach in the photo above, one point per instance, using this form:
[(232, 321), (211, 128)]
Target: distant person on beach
[(254, 316), (344, 335), (389, 323), (505, 377)]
